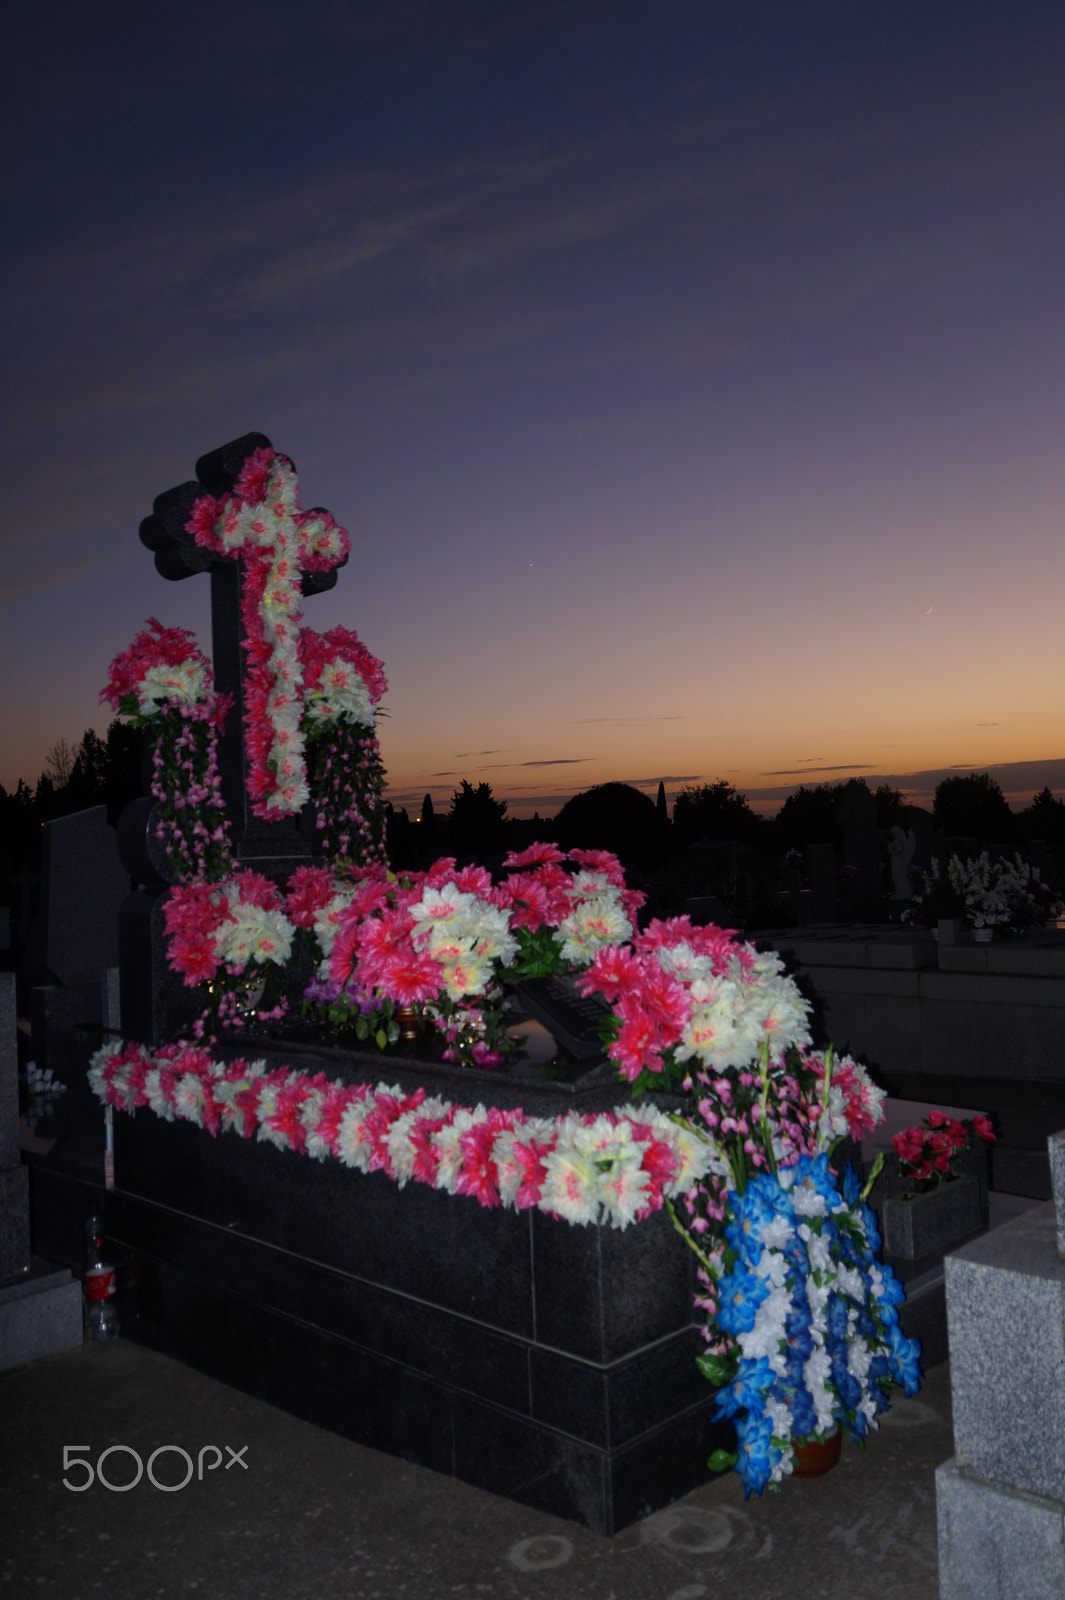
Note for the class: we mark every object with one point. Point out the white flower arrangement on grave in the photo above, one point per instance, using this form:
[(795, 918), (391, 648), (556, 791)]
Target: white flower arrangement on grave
[(985, 893)]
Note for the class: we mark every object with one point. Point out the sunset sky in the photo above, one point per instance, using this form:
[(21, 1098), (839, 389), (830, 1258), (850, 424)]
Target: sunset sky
[(689, 376)]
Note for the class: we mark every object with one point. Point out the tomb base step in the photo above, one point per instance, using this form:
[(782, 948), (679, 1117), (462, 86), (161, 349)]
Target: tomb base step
[(603, 1442)]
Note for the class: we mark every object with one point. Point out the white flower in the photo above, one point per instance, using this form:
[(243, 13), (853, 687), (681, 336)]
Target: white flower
[(188, 1098), (184, 684), (446, 1141), (817, 1249), (815, 1375), (593, 925)]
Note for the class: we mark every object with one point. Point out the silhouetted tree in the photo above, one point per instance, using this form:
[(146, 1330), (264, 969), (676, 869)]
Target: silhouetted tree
[(892, 809), (660, 803), (122, 768), (401, 851), (714, 811), (974, 807), (475, 820), (617, 817), (1043, 819), (87, 783), (428, 817), (58, 763), (809, 816)]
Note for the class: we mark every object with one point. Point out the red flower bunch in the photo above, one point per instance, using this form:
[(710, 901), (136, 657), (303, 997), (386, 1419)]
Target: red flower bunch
[(927, 1150)]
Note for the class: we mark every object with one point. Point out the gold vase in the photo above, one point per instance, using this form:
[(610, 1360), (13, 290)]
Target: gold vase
[(410, 1023)]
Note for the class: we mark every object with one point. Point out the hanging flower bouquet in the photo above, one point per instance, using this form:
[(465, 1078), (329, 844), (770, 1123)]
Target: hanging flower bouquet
[(234, 937), (342, 686), (163, 683)]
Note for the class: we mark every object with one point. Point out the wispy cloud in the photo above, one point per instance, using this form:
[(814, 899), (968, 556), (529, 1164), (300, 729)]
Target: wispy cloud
[(558, 761), (584, 721), (790, 772)]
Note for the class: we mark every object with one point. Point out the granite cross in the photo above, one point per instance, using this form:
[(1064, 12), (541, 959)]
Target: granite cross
[(270, 845)]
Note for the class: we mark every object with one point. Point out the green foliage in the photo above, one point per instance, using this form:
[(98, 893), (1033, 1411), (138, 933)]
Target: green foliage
[(539, 954), (718, 1370)]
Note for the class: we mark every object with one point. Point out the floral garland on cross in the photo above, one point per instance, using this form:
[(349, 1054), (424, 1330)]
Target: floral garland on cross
[(260, 523)]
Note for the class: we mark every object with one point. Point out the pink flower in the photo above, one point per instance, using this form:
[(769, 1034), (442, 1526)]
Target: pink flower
[(536, 855), (309, 891)]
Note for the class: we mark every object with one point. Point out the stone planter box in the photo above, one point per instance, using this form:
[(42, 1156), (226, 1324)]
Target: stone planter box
[(915, 1225)]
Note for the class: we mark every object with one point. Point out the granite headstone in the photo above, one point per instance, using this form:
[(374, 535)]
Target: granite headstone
[(83, 886), (40, 1305), (1001, 1499)]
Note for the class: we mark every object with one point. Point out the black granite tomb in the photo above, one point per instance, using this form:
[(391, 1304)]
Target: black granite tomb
[(551, 1363)]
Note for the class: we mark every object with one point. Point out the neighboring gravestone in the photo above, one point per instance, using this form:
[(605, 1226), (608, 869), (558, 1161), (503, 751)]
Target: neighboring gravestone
[(1001, 1500), (83, 885), (821, 870), (919, 822), (856, 816), (14, 1179), (40, 1306)]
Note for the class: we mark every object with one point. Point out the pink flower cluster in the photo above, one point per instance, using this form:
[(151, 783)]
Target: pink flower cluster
[(320, 650), (926, 1151), (162, 666), (612, 1167), (540, 893), (382, 947), (203, 923), (686, 993)]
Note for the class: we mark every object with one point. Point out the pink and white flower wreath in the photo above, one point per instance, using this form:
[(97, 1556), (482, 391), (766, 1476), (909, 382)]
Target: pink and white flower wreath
[(606, 1168), (261, 523)]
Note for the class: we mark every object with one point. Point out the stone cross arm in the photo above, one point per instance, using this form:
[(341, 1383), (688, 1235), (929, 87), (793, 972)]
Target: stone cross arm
[(177, 555)]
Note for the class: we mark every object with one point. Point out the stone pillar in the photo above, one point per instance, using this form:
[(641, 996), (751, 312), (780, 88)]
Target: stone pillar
[(1001, 1499), (40, 1306), (14, 1179)]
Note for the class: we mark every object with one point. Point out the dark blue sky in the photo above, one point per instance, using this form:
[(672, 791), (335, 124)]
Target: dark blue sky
[(689, 376)]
